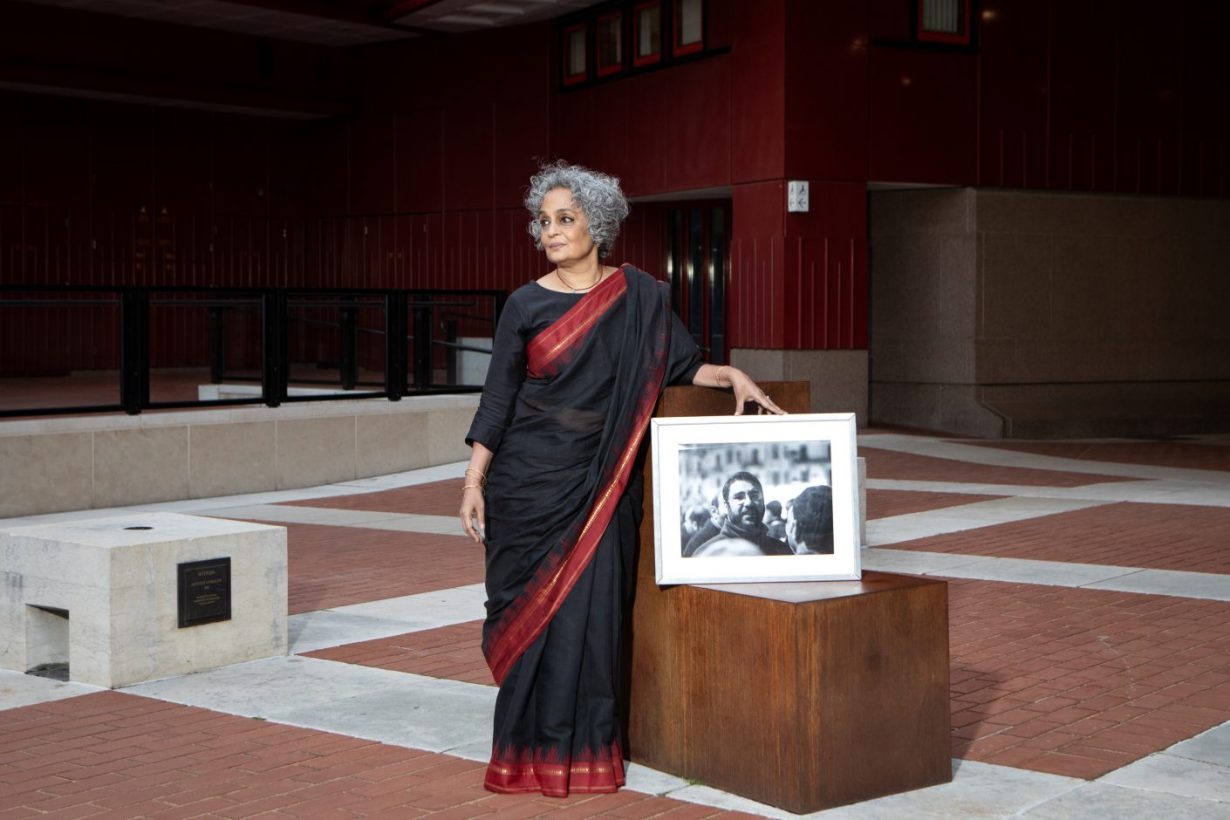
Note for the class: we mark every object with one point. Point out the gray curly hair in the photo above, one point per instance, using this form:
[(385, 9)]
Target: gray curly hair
[(596, 194)]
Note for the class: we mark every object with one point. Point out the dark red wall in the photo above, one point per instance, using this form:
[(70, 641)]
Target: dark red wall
[(403, 164)]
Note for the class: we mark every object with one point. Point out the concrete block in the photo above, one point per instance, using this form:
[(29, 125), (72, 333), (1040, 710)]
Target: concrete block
[(116, 581)]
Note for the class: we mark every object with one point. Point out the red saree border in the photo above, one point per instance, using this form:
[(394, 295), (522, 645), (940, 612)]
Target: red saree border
[(545, 593), (517, 772), (545, 353)]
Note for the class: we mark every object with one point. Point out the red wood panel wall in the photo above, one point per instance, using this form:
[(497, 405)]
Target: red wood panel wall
[(1097, 95), (799, 281), (420, 185)]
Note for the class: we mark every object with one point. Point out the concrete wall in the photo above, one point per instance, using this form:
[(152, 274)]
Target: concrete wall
[(1013, 313), (82, 463), (838, 377)]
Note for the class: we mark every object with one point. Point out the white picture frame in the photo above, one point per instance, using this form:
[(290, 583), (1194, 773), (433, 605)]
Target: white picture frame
[(693, 457)]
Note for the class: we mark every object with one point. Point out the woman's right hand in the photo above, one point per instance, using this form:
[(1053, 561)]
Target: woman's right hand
[(473, 513)]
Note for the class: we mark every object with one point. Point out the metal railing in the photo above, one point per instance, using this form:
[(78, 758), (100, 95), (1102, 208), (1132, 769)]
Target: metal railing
[(97, 349)]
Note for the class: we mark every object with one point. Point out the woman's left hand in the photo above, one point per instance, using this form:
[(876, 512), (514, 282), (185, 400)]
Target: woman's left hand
[(747, 391)]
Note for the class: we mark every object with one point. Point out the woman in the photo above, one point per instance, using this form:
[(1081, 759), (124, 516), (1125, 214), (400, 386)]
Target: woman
[(578, 361)]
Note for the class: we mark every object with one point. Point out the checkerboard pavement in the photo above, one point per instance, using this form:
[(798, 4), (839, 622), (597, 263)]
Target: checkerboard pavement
[(1084, 683)]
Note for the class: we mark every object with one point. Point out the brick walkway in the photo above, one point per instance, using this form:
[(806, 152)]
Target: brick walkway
[(886, 503), (454, 652), (336, 566), (437, 498), (1079, 682), (1048, 679), (1155, 536), (117, 755)]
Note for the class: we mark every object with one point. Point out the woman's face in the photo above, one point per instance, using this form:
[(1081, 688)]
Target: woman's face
[(565, 230)]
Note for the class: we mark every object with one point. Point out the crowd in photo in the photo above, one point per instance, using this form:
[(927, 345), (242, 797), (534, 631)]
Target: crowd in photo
[(771, 498)]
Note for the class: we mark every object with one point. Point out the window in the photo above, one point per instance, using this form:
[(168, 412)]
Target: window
[(689, 24), (621, 37), (575, 62), (944, 21), (610, 46), (647, 34)]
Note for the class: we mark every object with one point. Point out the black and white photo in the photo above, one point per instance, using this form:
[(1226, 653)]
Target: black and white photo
[(755, 498)]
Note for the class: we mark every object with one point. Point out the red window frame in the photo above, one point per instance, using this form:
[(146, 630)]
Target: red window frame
[(566, 47), (681, 49), (962, 38), (607, 69), (652, 7)]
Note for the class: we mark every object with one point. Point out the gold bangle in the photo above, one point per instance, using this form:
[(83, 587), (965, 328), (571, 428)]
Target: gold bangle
[(465, 487), (481, 475), (718, 376)]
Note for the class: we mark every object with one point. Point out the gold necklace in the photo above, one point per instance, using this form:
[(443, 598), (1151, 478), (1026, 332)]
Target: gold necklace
[(559, 274)]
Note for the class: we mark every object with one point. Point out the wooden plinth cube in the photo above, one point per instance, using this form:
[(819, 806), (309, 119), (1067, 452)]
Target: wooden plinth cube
[(803, 696)]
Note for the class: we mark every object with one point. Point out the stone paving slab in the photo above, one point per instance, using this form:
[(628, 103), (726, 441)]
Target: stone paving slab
[(1168, 582), (375, 704), (394, 616), (1186, 455), (18, 689), (287, 514), (1212, 746), (1103, 801), (1015, 570), (1211, 493), (976, 453), (1170, 774), (911, 464), (915, 526), (977, 790)]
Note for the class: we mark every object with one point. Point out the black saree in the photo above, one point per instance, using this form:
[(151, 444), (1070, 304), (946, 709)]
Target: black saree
[(563, 510)]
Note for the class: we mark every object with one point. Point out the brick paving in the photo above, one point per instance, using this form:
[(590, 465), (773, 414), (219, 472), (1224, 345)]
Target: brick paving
[(1127, 534), (454, 652), (436, 498), (1080, 682), (1075, 682), (889, 464), (1065, 681), (337, 566), (119, 755), (1187, 455), (887, 503)]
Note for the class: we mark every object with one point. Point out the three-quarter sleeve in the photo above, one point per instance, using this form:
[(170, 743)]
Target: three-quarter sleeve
[(505, 374), (685, 358)]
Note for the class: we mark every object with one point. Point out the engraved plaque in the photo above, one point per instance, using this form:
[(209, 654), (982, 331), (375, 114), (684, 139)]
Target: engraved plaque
[(204, 592)]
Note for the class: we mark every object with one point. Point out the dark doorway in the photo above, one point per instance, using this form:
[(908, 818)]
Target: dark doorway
[(698, 269)]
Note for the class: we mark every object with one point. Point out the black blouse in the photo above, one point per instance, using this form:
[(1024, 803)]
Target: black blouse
[(531, 309)]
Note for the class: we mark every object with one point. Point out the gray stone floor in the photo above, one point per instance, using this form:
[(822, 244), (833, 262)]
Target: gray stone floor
[(1189, 780)]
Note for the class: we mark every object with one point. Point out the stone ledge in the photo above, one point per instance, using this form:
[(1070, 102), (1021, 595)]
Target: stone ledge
[(54, 465)]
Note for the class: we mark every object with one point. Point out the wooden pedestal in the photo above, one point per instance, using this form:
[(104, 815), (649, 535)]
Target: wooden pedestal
[(803, 696)]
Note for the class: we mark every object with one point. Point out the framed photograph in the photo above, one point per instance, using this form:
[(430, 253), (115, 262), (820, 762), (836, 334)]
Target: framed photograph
[(755, 498)]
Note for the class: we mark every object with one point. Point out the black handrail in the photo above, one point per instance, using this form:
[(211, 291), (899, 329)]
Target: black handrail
[(429, 316)]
